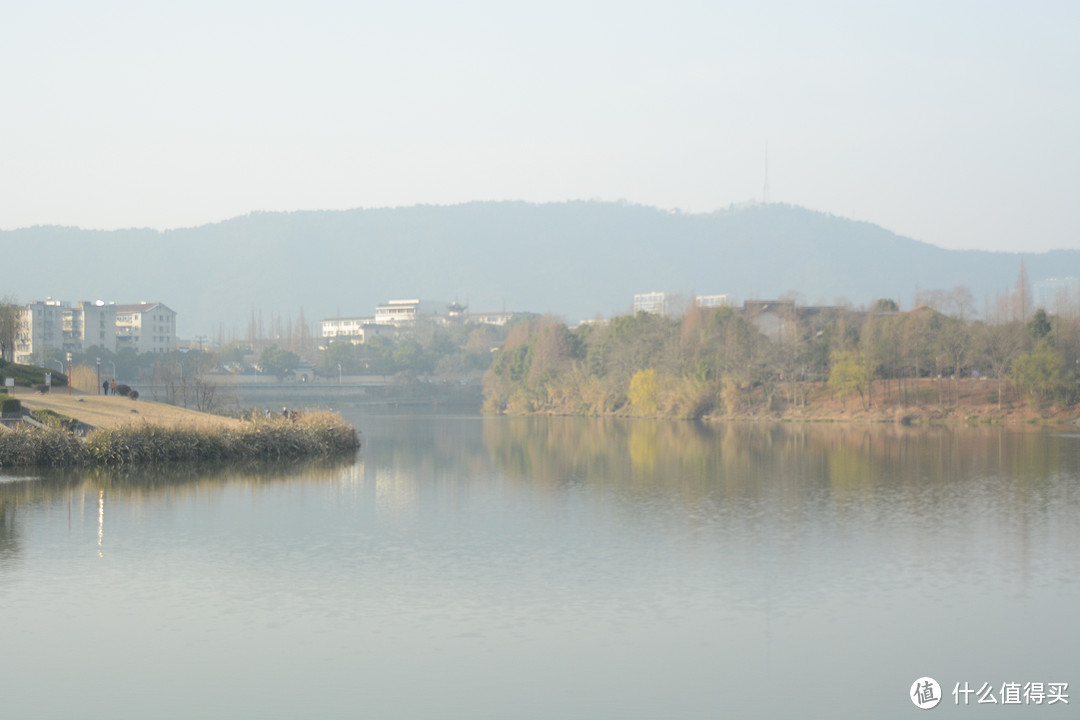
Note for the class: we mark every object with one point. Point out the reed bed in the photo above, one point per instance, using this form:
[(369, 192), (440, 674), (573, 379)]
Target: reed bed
[(25, 446), (310, 435)]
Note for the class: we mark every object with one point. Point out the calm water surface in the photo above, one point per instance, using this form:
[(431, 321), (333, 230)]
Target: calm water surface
[(552, 568)]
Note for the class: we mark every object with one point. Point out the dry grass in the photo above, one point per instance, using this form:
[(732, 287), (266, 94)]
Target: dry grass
[(158, 433), (107, 411), (46, 447), (315, 434)]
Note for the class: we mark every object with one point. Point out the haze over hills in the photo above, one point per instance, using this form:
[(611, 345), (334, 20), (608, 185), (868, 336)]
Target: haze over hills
[(576, 259)]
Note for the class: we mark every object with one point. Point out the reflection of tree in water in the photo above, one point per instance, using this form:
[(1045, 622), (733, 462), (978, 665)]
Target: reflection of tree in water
[(785, 462), (181, 478), (425, 446), (9, 537), (19, 493)]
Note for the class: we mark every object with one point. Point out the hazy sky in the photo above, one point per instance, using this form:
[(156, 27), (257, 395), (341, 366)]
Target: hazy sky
[(956, 123)]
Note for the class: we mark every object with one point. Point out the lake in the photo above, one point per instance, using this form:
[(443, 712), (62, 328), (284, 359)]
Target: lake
[(467, 567)]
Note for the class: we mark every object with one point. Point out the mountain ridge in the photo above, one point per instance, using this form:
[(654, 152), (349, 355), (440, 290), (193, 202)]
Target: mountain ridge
[(577, 259)]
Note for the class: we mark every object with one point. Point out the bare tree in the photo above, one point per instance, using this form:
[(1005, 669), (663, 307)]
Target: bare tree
[(9, 320), (961, 303), (1022, 301), (996, 347)]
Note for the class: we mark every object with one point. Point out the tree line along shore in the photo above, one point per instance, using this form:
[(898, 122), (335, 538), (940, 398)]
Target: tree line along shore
[(823, 363)]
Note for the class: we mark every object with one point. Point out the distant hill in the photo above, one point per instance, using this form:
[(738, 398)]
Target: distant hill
[(575, 259)]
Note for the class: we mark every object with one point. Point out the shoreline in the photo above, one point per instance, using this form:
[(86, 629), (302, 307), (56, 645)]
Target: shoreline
[(123, 433), (930, 402)]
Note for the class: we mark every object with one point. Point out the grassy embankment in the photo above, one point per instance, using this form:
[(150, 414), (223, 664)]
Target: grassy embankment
[(315, 434), (127, 432)]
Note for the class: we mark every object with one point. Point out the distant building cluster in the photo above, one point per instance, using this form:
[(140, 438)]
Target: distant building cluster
[(76, 327), (400, 317), (779, 320), (657, 303)]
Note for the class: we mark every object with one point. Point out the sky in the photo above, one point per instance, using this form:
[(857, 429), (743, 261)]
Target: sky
[(953, 123)]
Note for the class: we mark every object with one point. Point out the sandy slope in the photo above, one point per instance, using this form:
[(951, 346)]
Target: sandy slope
[(109, 411)]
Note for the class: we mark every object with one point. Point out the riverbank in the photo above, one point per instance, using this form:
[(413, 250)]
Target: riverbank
[(107, 411), (930, 401), (126, 432)]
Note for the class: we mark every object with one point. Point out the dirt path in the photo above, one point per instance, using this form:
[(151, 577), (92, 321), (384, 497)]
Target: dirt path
[(110, 410)]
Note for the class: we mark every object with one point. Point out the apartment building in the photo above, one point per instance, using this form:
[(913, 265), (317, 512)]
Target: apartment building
[(76, 327), (146, 327), (40, 325)]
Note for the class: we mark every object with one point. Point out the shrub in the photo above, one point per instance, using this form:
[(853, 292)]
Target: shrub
[(10, 406), (29, 375), (124, 390), (54, 419)]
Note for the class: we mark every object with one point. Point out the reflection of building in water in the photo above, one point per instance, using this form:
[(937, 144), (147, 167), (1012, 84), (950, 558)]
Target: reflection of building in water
[(1058, 296), (100, 521), (396, 492)]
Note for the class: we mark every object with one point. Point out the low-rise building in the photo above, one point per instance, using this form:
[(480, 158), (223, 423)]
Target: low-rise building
[(355, 330), (713, 301), (397, 318), (331, 328), (491, 318), (775, 319)]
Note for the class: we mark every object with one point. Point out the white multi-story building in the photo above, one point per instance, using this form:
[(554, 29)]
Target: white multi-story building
[(406, 312), (63, 326), (146, 327), (652, 302), (40, 327), (356, 330), (490, 318), (713, 301), (91, 325), (343, 326)]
